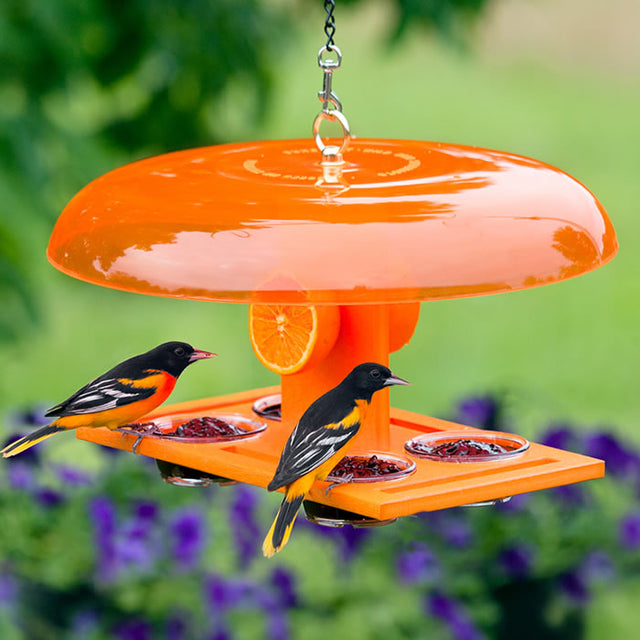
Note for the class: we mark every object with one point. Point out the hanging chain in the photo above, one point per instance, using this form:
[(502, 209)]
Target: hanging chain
[(330, 23), (331, 105)]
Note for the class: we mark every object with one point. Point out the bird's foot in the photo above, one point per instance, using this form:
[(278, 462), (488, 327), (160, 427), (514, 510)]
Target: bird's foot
[(337, 482), (140, 429)]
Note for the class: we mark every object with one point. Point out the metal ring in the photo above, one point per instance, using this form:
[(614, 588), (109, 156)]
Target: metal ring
[(331, 116), (329, 64)]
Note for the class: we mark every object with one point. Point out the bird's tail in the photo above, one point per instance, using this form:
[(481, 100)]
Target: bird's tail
[(23, 444), (281, 528)]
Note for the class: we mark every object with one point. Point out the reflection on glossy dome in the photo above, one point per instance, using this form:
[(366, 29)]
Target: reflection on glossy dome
[(411, 221)]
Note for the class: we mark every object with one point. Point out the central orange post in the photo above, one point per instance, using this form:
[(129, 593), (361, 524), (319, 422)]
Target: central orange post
[(363, 337)]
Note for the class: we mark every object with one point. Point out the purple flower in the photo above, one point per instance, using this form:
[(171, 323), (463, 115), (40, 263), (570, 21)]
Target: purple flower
[(463, 629), (177, 627), (263, 598), (630, 531), (220, 634), (574, 586), (147, 510), (134, 554), (619, 460), (452, 613), (8, 590), (452, 525), (348, 539), (187, 531), (218, 596), (32, 416), (138, 544), (479, 411), (440, 606), (133, 629), (225, 594), (102, 513), (516, 561), (352, 539), (570, 495), (73, 477), (20, 476), (457, 532), (247, 534), (135, 544), (278, 625), (222, 594), (597, 567), (559, 437), (284, 584), (417, 566), (48, 497)]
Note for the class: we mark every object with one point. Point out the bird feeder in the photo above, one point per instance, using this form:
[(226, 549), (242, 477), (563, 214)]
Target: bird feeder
[(367, 229)]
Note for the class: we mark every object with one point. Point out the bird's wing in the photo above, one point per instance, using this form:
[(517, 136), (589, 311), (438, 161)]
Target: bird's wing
[(307, 448), (102, 394)]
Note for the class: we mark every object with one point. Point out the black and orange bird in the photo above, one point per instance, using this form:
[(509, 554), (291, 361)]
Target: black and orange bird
[(318, 442), (120, 396)]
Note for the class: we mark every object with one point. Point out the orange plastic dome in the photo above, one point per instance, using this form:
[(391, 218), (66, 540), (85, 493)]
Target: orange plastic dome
[(409, 221)]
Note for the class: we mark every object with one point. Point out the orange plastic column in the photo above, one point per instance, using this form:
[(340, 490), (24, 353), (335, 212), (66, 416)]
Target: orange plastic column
[(363, 337)]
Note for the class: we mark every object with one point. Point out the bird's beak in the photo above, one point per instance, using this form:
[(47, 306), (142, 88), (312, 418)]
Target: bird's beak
[(395, 380), (201, 355)]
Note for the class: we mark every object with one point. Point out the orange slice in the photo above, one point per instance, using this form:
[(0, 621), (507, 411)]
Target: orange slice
[(290, 338)]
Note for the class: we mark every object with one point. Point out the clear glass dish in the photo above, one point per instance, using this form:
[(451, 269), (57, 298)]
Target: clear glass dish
[(434, 446), (181, 476), (406, 467), (326, 516), (269, 407), (166, 426)]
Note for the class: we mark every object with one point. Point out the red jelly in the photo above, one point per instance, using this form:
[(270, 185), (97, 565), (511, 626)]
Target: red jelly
[(198, 428), (364, 467), (459, 448), (206, 427), (469, 445)]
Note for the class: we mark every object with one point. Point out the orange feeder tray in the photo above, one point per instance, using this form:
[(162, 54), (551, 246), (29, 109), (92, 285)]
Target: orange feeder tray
[(401, 222)]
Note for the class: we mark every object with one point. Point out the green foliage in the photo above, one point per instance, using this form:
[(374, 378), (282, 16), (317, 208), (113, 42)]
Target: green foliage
[(450, 19), (150, 72), (87, 85), (18, 306)]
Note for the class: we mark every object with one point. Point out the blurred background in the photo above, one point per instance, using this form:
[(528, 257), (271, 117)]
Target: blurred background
[(94, 545)]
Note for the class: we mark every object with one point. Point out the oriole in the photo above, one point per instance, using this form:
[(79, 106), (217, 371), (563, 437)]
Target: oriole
[(318, 443), (121, 395)]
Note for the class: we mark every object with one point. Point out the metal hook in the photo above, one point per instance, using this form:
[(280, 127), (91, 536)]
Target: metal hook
[(327, 96), (331, 116), (331, 108)]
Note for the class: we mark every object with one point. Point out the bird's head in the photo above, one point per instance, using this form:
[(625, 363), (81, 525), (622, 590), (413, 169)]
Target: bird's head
[(369, 377), (175, 357)]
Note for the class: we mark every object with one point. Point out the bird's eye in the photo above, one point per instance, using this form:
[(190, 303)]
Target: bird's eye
[(179, 351), (375, 373)]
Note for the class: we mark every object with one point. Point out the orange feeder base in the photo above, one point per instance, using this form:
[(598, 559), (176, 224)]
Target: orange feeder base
[(433, 485)]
